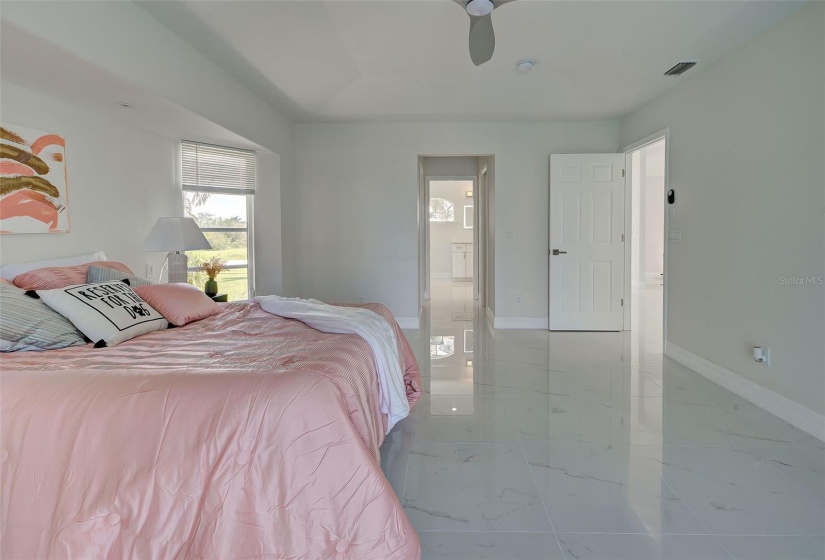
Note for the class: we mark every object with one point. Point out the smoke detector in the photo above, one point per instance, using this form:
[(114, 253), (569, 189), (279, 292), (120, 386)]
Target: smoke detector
[(525, 65)]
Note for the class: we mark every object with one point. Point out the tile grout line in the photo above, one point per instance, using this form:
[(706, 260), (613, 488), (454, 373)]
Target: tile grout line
[(421, 349), (407, 470), (533, 478), (702, 521)]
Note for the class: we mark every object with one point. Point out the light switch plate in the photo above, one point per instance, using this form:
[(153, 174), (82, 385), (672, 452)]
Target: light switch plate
[(672, 213), (150, 271), (675, 236)]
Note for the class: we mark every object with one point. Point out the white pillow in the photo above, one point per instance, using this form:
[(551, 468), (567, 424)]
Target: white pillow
[(108, 313), (10, 271)]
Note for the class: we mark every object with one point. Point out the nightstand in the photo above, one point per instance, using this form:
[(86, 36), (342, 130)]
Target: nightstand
[(220, 298)]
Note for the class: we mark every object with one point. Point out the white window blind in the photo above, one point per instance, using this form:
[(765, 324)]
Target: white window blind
[(216, 169)]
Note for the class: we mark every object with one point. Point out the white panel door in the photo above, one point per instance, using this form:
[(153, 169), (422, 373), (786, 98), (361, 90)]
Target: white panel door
[(586, 246)]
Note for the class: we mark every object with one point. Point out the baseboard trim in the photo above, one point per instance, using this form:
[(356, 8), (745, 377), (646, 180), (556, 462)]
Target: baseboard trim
[(407, 322), (790, 411), (521, 323), (441, 275)]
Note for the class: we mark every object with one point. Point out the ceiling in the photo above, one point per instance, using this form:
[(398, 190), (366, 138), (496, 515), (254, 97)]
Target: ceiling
[(41, 66), (343, 60)]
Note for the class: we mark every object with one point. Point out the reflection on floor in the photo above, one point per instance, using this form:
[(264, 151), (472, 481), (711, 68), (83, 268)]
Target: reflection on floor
[(530, 445)]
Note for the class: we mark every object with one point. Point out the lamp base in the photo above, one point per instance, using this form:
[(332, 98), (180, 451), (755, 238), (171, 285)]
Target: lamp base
[(178, 265)]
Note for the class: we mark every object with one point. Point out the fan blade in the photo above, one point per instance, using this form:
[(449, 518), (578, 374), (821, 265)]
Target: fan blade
[(482, 39)]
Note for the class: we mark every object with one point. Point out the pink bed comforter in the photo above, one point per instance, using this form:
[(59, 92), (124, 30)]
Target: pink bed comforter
[(240, 436)]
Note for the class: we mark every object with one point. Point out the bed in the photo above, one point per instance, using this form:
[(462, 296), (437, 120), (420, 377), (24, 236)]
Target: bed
[(244, 435)]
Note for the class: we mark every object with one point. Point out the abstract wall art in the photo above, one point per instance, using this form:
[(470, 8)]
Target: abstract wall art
[(34, 196)]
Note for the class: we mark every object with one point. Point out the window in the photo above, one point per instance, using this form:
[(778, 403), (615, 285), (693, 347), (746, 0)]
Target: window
[(441, 210), (218, 191)]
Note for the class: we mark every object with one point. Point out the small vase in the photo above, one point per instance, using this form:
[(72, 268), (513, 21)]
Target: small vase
[(211, 288)]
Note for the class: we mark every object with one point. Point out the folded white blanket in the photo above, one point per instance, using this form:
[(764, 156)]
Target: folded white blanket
[(370, 326)]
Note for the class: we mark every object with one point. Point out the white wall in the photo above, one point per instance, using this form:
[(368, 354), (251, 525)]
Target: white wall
[(746, 162), (355, 208), (444, 234), (268, 240), (120, 179), (451, 166)]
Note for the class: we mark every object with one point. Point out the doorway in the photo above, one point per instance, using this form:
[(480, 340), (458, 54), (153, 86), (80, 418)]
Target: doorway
[(453, 217), (452, 244), (648, 215)]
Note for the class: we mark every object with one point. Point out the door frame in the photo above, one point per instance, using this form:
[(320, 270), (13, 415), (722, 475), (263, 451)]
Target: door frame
[(423, 239), (480, 236), (480, 223), (628, 150)]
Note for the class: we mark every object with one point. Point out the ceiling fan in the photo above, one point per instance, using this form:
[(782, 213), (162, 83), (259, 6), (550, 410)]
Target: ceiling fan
[(482, 37)]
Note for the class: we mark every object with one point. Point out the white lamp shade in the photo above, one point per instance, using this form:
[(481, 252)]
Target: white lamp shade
[(175, 234)]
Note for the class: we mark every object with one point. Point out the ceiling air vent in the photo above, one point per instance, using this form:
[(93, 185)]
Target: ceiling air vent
[(680, 68)]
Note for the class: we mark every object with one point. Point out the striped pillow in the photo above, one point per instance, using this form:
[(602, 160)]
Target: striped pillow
[(53, 277), (179, 303), (98, 274), (27, 323)]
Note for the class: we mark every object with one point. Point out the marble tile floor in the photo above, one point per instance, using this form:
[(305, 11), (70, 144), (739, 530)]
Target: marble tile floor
[(533, 445)]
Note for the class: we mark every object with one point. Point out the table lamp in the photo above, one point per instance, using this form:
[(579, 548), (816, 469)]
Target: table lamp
[(173, 236)]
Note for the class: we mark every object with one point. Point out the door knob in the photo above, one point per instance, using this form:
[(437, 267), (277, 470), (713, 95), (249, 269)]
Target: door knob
[(557, 252)]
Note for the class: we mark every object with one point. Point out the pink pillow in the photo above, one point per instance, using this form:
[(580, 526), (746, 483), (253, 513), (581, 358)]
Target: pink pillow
[(179, 303), (54, 277)]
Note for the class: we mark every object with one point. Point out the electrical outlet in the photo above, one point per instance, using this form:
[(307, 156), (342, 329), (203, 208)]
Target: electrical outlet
[(674, 236), (509, 235), (518, 300), (150, 271)]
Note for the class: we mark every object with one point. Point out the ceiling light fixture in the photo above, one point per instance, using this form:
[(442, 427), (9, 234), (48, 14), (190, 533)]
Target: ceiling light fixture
[(480, 7), (525, 65)]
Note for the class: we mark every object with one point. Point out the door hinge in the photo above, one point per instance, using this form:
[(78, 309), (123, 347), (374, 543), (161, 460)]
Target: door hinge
[(622, 302), (622, 172), (622, 238)]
